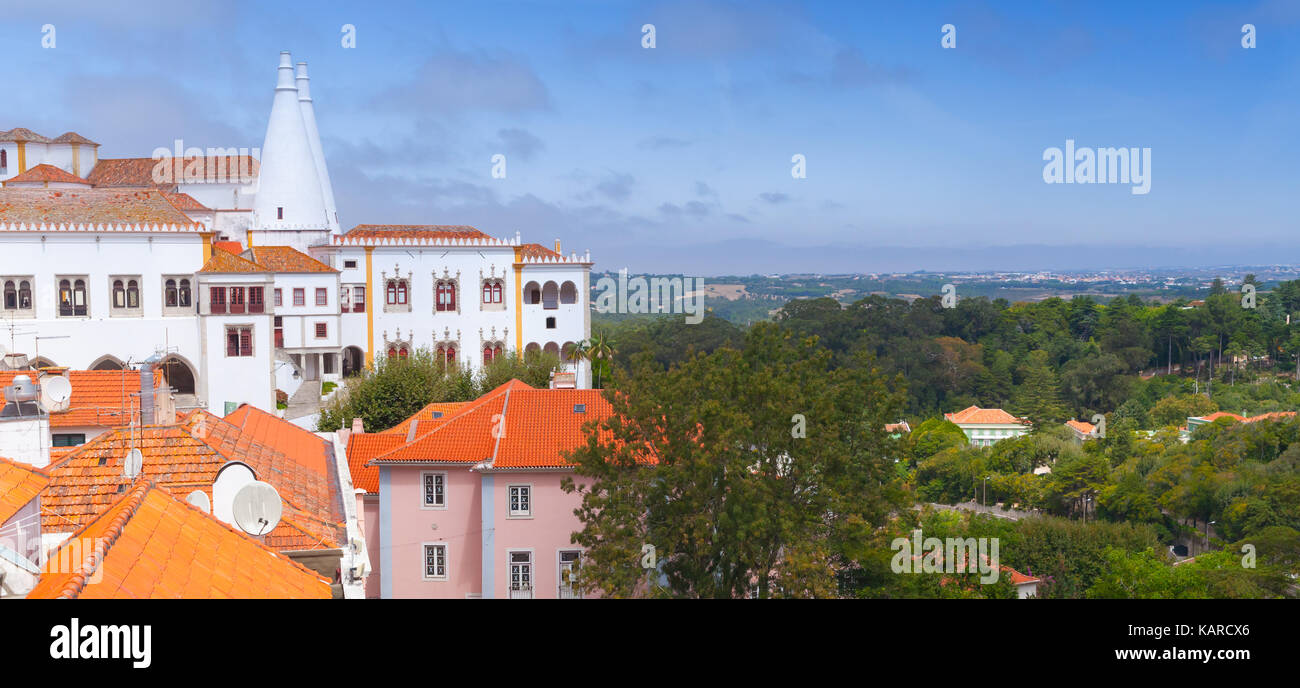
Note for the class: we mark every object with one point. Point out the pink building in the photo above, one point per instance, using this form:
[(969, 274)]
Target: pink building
[(464, 500)]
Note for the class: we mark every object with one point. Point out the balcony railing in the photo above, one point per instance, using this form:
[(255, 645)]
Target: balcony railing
[(568, 593), (522, 593)]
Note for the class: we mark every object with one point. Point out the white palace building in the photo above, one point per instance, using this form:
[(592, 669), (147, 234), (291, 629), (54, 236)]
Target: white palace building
[(232, 273)]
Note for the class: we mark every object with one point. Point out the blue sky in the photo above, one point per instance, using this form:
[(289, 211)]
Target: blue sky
[(677, 158)]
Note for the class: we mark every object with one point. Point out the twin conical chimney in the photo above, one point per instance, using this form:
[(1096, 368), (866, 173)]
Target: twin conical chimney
[(289, 192), (313, 137)]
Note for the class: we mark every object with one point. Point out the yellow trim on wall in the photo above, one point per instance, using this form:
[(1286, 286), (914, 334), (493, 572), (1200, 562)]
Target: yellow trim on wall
[(370, 308), (76, 159), (519, 302), (250, 238), (207, 246), (22, 157)]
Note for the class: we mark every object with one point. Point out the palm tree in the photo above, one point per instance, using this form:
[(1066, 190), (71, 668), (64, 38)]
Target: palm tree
[(577, 354), (600, 350)]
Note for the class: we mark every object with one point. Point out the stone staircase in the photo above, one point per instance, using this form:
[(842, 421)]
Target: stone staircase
[(305, 401)]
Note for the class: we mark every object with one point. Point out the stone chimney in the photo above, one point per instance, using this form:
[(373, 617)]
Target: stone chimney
[(358, 426), (557, 246)]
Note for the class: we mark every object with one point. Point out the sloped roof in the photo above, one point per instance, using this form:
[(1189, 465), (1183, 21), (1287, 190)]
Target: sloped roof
[(99, 397), (285, 259), (537, 251), (229, 246), (187, 456), (22, 134), (111, 172), (362, 447), (71, 207), (362, 232), (975, 415), (226, 262), (443, 409), (184, 201), (150, 544), (513, 426), (73, 137), (44, 173), (1081, 426), (19, 485)]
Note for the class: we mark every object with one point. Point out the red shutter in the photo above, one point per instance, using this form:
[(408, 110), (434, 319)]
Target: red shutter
[(217, 299), (255, 299), (232, 343), (246, 342)]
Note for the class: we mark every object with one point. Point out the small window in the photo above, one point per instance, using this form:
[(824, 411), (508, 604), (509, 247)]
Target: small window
[(183, 293), (521, 575), (349, 264), (445, 296), (579, 408), (322, 330), (550, 323), (435, 490), (521, 500), (72, 300), (279, 213), (239, 342), (300, 297), (435, 561), (68, 439), (322, 296), (279, 297)]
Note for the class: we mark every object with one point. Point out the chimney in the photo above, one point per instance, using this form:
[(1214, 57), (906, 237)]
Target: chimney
[(358, 426), (313, 138), (557, 246), (146, 396), (282, 200)]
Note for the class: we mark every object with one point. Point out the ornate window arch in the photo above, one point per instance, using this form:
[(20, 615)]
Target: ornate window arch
[(568, 293), (397, 291), (493, 290), (446, 292)]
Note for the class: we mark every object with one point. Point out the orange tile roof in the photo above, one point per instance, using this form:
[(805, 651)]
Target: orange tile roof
[(150, 544), (223, 261), (46, 173), (21, 134), (537, 426), (1275, 415), (184, 202), (311, 451), (285, 259), (979, 416), (187, 456), (99, 397), (361, 449), (20, 483), (92, 206), (1221, 414), (73, 137), (229, 246), (444, 408), (1081, 426), (111, 172), (361, 232), (537, 251)]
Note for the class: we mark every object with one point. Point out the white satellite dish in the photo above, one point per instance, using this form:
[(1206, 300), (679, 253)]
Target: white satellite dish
[(56, 393), (133, 462), (200, 499), (257, 508)]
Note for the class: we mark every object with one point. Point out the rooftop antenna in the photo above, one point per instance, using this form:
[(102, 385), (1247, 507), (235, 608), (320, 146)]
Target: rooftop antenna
[(257, 508)]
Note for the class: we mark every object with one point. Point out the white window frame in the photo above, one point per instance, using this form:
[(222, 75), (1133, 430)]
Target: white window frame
[(446, 561), (18, 311), (559, 570), (126, 310), (423, 503), (532, 570), (510, 511), (177, 309)]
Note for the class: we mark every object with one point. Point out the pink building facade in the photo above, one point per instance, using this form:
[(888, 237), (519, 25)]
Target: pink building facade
[(468, 504)]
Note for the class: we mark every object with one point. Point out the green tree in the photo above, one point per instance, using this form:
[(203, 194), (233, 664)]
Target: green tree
[(1038, 397)]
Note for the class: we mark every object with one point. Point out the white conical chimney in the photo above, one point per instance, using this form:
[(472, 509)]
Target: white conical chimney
[(318, 153), (288, 192)]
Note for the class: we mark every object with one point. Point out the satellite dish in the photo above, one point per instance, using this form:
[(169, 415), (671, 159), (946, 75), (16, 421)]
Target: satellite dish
[(133, 462), (56, 393), (257, 508), (200, 499)]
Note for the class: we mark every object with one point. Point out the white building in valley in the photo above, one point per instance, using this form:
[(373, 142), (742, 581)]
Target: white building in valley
[(983, 427), (233, 271)]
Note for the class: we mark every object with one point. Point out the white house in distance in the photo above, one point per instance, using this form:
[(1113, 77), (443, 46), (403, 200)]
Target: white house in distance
[(983, 427), (231, 272)]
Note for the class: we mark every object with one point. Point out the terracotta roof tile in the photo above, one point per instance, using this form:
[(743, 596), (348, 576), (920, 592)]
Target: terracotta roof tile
[(99, 397), (21, 134), (362, 447), (44, 173), (111, 172), (185, 202), (537, 251), (20, 483), (64, 207), (149, 543), (1081, 426), (226, 262), (361, 232), (187, 456), (73, 137), (285, 259), (979, 416), (229, 246)]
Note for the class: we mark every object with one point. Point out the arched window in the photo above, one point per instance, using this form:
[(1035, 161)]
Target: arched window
[(169, 294), (550, 296), (496, 352), (184, 293), (395, 294), (487, 292), (392, 352), (119, 294), (4, 159), (390, 294), (11, 295), (451, 353), (487, 354), (25, 295), (445, 296), (79, 297), (65, 297), (532, 293), (132, 294), (496, 293), (568, 293), (402, 352)]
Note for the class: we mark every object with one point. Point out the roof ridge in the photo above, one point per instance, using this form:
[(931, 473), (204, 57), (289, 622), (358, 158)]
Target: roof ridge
[(25, 466), (470, 407), (131, 501)]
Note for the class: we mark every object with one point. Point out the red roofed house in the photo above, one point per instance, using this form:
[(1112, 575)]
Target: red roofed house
[(983, 426), (1082, 429), (468, 503)]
